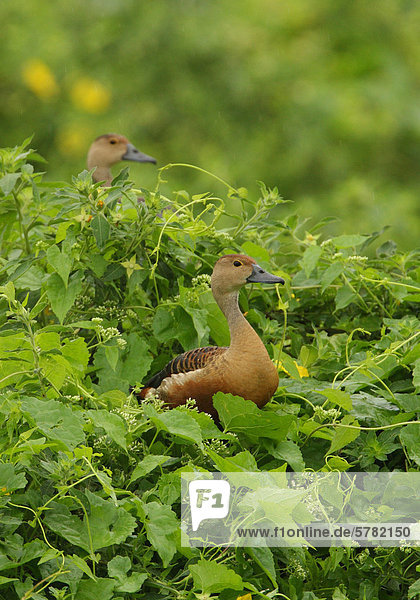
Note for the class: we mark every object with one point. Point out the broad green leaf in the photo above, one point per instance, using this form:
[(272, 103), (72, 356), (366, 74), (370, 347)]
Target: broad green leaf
[(211, 577), (76, 353), (60, 261), (414, 590), (55, 420), (289, 452), (338, 397), (241, 462), (113, 425), (108, 524), (62, 299), (310, 259), (257, 252), (344, 297), (348, 241), (8, 182), (101, 230), (243, 416), (410, 438), (102, 588), (118, 568), (264, 558), (343, 435), (161, 524), (331, 274), (10, 480), (82, 565), (145, 466), (177, 422)]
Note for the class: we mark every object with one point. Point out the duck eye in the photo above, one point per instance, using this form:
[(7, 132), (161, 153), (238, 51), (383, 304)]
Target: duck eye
[(112, 141), (237, 263)]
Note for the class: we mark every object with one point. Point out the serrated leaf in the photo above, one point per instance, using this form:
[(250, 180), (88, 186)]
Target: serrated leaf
[(105, 525), (113, 425), (161, 524), (331, 274), (211, 577), (56, 421)]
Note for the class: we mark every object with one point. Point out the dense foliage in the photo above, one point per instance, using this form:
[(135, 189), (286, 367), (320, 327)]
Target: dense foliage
[(99, 288), (318, 98)]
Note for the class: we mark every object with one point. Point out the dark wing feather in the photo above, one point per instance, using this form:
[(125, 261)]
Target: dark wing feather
[(183, 363)]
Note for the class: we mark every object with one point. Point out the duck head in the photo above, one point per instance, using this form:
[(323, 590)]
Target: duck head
[(233, 271), (109, 149)]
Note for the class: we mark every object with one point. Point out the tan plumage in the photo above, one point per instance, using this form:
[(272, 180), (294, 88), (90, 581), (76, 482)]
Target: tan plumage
[(243, 369), (109, 149)]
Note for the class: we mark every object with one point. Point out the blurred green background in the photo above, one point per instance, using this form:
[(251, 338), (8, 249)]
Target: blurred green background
[(317, 97)]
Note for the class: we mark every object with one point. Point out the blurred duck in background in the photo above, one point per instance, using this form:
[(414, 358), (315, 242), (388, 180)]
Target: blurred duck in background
[(108, 150)]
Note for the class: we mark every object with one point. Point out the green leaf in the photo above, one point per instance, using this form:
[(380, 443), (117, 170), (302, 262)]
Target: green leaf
[(113, 425), (310, 259), (257, 252), (211, 577), (161, 525), (344, 297), (414, 590), (416, 375), (343, 436), (61, 262), (4, 580), (348, 241), (10, 480), (102, 588), (177, 422), (145, 466), (8, 182), (101, 230), (410, 438), (243, 416), (338, 397), (241, 462), (62, 299), (106, 524), (289, 452), (331, 274), (56, 421), (264, 558), (118, 568)]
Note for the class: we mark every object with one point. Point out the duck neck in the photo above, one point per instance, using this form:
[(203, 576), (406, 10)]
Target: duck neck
[(241, 332), (103, 174)]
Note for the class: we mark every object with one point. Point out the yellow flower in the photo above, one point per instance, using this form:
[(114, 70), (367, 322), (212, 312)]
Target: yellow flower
[(39, 78), (90, 95), (303, 371), (131, 265)]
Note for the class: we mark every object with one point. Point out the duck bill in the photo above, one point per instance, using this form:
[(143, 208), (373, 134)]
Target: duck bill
[(137, 156), (259, 275)]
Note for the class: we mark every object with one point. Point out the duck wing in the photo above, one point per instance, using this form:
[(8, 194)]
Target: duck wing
[(184, 363)]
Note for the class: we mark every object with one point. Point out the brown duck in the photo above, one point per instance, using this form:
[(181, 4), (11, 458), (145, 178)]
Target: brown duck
[(109, 149), (243, 369)]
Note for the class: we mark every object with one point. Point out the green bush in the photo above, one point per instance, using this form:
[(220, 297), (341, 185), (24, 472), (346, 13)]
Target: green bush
[(99, 288)]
